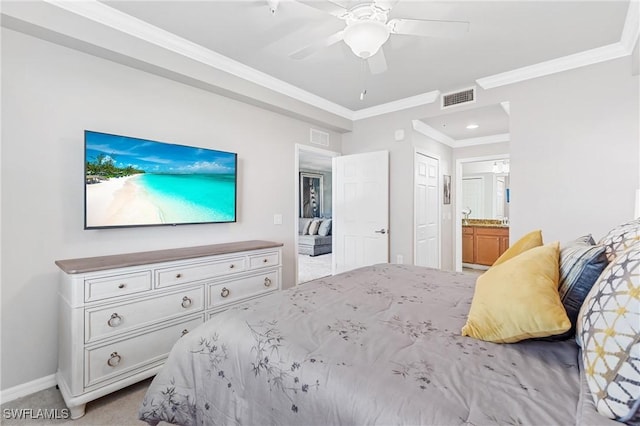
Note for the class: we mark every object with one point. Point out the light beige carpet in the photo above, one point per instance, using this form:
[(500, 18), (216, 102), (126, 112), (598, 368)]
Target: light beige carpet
[(312, 267), (119, 408)]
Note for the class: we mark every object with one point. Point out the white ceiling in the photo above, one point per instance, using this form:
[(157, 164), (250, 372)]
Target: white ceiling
[(491, 120), (240, 49), (503, 36)]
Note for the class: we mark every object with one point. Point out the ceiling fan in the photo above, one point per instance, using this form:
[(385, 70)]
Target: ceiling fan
[(368, 27)]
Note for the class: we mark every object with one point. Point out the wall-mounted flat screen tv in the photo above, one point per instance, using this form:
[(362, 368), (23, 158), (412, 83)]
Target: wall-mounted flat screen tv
[(139, 182)]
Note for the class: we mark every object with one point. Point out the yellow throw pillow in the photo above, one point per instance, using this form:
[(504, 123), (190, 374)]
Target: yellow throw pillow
[(529, 241), (519, 299)]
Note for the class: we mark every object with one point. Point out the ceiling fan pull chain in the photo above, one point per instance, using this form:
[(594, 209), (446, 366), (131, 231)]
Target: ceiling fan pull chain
[(363, 73)]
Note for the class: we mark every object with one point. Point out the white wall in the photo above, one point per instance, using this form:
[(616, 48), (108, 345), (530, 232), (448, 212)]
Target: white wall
[(378, 133), (481, 151), (573, 151), (50, 94)]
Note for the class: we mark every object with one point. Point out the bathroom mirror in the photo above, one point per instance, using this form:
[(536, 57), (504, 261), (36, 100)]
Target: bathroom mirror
[(485, 189)]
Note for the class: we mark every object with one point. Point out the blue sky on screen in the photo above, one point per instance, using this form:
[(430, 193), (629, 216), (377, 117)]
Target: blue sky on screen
[(157, 157)]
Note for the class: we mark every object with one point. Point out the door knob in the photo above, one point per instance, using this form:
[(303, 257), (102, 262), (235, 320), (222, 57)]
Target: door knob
[(381, 231)]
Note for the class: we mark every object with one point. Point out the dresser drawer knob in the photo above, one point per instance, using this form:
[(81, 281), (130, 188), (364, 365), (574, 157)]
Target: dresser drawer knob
[(185, 331), (225, 292), (232, 266), (114, 359), (122, 285), (186, 302), (267, 282), (178, 275), (115, 320), (265, 260)]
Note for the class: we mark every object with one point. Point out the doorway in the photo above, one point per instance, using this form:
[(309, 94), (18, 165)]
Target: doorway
[(482, 193), (313, 212)]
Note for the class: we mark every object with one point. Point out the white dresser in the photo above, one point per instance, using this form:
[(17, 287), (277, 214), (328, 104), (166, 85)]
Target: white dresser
[(120, 315)]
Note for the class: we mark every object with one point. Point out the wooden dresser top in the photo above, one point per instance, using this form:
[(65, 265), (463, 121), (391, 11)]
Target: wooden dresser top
[(99, 263)]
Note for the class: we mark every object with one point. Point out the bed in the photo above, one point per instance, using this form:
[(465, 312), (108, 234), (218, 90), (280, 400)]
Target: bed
[(378, 345)]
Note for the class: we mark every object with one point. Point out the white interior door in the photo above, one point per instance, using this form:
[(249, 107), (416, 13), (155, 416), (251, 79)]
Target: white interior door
[(361, 209), (427, 237)]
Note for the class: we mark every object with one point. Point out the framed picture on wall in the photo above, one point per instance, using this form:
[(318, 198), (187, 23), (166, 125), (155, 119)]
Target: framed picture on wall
[(446, 195), (310, 195)]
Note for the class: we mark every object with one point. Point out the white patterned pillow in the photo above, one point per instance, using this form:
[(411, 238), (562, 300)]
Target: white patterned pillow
[(620, 238), (325, 228), (609, 327), (304, 225), (315, 225)]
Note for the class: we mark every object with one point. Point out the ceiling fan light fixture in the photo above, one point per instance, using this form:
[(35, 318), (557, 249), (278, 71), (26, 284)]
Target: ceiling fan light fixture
[(366, 37)]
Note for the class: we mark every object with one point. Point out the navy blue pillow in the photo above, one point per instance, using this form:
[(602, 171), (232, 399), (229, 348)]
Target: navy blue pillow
[(581, 263)]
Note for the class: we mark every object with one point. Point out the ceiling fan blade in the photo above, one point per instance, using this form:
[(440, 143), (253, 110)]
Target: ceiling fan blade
[(318, 45), (447, 29), (327, 6), (377, 63)]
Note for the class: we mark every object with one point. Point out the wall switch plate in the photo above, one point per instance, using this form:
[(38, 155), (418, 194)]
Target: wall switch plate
[(277, 219)]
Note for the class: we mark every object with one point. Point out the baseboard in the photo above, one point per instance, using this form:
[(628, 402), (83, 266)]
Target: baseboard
[(474, 266), (27, 388)]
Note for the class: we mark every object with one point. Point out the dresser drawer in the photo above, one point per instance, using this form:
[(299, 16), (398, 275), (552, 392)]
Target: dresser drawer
[(100, 288), (199, 271), (264, 260), (230, 291), (125, 356), (127, 316)]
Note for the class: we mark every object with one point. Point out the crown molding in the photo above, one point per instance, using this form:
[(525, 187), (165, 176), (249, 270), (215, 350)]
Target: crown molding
[(483, 140), (108, 16), (399, 105), (624, 47), (588, 57), (423, 128), (631, 30), (506, 106)]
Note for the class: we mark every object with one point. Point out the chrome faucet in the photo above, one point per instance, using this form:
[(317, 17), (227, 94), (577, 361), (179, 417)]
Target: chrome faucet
[(466, 212)]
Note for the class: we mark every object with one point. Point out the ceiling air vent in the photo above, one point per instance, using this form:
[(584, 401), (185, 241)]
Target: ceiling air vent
[(456, 98), (319, 138)]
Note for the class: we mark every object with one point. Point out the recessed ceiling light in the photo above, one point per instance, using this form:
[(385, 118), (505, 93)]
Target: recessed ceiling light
[(472, 126)]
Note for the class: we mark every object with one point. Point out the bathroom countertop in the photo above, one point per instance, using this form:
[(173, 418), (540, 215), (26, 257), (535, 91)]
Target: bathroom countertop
[(485, 223)]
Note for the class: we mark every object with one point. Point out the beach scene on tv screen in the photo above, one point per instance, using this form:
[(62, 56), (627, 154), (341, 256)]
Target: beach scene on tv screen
[(131, 182)]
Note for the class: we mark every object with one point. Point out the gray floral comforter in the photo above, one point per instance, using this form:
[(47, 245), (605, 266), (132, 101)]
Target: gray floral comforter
[(379, 345)]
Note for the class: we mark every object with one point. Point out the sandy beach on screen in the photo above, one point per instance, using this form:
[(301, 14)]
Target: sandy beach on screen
[(119, 201)]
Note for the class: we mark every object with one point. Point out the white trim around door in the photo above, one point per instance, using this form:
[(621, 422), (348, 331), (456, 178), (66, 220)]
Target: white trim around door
[(296, 204)]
